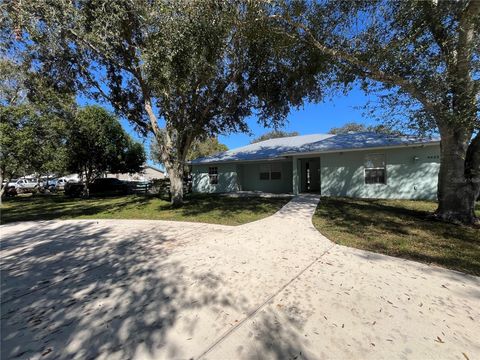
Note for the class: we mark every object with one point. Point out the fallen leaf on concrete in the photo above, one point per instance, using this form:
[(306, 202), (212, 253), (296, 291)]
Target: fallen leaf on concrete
[(440, 340)]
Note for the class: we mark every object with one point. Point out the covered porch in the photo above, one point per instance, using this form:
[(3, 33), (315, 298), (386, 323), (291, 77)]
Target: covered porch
[(306, 175), (287, 175), (292, 175)]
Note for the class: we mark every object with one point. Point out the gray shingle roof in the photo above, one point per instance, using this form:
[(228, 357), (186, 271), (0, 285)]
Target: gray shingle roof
[(315, 143)]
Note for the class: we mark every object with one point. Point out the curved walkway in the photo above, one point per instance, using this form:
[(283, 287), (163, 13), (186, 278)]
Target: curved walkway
[(275, 288)]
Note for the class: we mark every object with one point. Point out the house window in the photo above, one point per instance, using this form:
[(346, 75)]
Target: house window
[(213, 174), (275, 171), (270, 172), (375, 169), (264, 172)]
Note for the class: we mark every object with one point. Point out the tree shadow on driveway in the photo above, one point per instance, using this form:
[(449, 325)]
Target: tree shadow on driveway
[(76, 290)]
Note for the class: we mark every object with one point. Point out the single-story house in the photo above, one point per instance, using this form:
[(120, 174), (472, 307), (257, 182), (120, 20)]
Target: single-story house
[(148, 173), (363, 165)]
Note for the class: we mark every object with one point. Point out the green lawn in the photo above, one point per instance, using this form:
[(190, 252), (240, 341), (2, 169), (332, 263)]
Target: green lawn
[(399, 228), (198, 208)]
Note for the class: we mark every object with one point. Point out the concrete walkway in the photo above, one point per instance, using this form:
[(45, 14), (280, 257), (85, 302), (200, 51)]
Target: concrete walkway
[(271, 289)]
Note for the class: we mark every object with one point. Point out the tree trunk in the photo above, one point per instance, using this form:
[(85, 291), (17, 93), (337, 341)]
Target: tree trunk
[(86, 189), (174, 146), (2, 188), (176, 186), (457, 190), (86, 192)]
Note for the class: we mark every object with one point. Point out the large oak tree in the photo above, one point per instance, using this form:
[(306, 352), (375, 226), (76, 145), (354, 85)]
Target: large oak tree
[(176, 69), (423, 57)]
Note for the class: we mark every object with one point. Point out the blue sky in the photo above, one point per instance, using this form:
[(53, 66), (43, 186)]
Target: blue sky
[(311, 119)]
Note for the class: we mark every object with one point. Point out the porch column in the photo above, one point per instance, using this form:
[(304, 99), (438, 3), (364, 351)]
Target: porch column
[(295, 176)]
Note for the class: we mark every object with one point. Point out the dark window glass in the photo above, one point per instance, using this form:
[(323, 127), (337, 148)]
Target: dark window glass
[(264, 176), (275, 171), (276, 175), (213, 175), (374, 176)]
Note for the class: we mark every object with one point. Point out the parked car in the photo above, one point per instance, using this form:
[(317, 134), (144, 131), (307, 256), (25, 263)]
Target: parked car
[(48, 184), (60, 184), (24, 185), (107, 186)]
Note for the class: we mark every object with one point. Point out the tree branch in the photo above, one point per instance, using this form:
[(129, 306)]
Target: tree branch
[(466, 34), (439, 33), (369, 70)]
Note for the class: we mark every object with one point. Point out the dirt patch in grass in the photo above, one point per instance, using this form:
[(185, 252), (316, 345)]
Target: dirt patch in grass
[(399, 228), (198, 208)]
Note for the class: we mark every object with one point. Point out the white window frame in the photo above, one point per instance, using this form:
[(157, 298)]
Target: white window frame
[(366, 168), (269, 169)]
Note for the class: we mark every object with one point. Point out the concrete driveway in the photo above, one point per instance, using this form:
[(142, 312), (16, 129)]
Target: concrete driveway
[(271, 289)]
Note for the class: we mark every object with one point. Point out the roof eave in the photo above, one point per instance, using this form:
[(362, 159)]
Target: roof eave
[(277, 158), (362, 149)]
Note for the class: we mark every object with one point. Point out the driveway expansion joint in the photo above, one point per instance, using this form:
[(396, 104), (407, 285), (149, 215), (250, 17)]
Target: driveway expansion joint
[(261, 306)]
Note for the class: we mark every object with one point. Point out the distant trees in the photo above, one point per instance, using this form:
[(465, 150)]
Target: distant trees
[(206, 147), (42, 131), (96, 144), (356, 127), (199, 148), (33, 116), (274, 134), (17, 143)]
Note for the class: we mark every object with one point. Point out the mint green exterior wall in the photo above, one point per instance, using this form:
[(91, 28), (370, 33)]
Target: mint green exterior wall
[(342, 174), (241, 176), (250, 178), (227, 179)]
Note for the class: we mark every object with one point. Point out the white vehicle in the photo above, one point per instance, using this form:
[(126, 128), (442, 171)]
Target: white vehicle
[(60, 185), (25, 185)]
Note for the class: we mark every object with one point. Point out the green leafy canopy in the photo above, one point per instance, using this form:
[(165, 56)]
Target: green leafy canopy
[(97, 144)]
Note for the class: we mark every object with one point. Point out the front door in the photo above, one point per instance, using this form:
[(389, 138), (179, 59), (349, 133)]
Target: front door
[(307, 176), (310, 175)]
